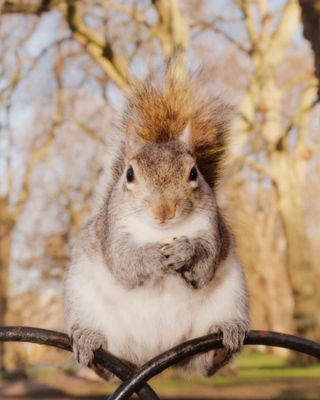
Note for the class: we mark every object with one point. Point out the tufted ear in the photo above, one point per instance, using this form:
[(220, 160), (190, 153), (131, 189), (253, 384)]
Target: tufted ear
[(186, 136), (133, 142)]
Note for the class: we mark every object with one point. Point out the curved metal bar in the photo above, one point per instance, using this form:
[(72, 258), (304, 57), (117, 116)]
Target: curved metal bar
[(204, 344), (103, 360)]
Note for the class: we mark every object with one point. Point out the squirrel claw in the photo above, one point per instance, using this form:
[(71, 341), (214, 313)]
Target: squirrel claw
[(233, 336), (219, 359), (178, 254), (85, 342)]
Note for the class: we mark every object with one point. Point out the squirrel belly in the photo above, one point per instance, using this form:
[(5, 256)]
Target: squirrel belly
[(142, 322)]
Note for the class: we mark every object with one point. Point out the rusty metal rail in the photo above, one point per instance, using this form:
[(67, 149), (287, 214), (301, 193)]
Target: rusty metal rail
[(103, 361), (136, 381)]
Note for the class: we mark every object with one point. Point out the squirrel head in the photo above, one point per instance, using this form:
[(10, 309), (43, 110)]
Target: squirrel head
[(160, 111), (162, 178), (175, 142)]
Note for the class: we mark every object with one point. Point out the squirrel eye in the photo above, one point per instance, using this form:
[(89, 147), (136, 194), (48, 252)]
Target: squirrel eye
[(193, 174), (130, 174)]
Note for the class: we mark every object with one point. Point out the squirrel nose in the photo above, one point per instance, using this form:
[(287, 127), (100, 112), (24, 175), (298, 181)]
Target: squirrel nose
[(164, 212)]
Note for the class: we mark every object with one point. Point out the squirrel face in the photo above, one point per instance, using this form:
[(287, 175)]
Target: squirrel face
[(163, 179)]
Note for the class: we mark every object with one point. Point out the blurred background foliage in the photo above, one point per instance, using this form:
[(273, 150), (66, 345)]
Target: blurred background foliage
[(65, 66)]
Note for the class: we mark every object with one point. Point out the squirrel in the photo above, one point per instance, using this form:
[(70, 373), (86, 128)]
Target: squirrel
[(157, 265)]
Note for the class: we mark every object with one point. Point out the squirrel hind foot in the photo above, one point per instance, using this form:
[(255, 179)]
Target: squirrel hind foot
[(85, 342)]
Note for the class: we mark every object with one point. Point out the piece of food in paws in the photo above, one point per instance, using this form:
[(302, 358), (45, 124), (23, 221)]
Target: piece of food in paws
[(166, 241)]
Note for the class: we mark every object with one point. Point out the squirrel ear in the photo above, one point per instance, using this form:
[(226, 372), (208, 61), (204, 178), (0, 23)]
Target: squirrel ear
[(186, 136), (133, 142)]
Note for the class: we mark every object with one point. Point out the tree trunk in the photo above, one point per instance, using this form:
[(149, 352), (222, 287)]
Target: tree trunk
[(311, 30), (299, 261), (6, 227)]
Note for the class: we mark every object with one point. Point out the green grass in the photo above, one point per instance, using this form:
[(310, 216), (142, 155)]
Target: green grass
[(251, 368)]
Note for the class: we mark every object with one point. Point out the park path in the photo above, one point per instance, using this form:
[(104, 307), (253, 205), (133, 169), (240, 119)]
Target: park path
[(65, 387)]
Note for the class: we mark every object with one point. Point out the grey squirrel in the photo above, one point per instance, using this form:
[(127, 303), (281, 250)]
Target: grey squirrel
[(157, 265)]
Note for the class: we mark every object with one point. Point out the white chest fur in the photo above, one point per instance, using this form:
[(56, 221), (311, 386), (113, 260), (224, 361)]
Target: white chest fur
[(145, 321), (143, 231)]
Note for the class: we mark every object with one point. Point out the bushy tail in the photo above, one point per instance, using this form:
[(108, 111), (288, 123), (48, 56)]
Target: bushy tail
[(160, 108)]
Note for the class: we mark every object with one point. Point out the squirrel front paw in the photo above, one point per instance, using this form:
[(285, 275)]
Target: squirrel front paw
[(178, 254), (234, 333), (152, 256), (233, 336), (85, 342)]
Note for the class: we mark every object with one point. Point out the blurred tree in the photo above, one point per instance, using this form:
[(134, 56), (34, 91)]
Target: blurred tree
[(283, 145), (311, 24), (11, 209)]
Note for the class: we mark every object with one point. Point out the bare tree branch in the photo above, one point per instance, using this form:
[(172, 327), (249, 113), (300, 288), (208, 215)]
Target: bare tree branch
[(98, 47), (132, 12), (31, 7), (248, 16), (213, 27), (172, 28), (261, 169), (40, 152), (282, 34)]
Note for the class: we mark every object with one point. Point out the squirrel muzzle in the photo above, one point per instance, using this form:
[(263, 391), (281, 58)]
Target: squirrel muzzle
[(164, 212)]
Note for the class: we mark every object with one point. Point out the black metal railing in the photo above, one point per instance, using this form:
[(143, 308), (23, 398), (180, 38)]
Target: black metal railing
[(135, 381)]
